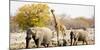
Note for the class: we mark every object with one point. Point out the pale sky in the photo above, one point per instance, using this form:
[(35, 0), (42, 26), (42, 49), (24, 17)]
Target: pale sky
[(72, 10)]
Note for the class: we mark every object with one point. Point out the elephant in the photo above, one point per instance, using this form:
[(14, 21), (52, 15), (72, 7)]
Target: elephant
[(40, 35), (76, 36), (62, 39), (62, 42)]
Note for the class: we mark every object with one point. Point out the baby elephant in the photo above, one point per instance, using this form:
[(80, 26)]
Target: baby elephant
[(40, 35), (76, 36)]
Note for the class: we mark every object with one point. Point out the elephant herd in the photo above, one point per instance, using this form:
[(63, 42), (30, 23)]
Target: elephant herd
[(46, 37)]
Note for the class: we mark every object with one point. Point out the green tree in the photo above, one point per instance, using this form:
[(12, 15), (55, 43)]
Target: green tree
[(31, 15)]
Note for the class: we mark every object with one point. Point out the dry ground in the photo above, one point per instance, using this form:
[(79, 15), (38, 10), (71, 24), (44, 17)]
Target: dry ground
[(17, 40)]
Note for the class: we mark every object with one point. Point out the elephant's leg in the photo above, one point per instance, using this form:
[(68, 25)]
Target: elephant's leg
[(64, 42), (35, 41), (75, 41), (39, 43), (71, 42), (27, 41), (43, 44), (48, 45), (86, 42), (83, 42)]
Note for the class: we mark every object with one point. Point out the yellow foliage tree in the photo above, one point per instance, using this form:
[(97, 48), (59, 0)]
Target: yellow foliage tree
[(31, 15)]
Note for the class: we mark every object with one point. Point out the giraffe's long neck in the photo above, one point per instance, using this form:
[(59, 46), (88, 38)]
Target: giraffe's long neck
[(56, 26)]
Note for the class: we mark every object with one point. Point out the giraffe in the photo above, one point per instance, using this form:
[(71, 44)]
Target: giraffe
[(58, 26)]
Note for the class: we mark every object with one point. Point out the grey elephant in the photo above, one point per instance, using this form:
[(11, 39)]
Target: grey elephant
[(62, 39), (77, 35), (40, 35)]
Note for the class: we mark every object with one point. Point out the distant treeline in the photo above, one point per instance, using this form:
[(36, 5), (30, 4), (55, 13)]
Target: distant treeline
[(75, 23), (78, 23)]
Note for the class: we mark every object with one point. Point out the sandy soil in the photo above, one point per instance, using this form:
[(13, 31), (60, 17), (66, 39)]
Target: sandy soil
[(17, 40)]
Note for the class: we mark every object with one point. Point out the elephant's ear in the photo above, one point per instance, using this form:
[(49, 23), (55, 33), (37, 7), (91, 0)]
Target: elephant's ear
[(33, 31), (37, 34)]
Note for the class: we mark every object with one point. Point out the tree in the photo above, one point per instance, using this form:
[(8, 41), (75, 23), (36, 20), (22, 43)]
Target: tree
[(82, 22), (13, 25), (31, 15)]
